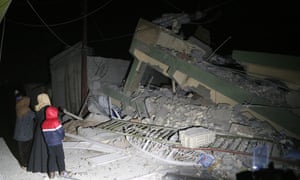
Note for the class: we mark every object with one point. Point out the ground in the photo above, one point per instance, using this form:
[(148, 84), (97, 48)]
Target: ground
[(134, 166), (86, 161)]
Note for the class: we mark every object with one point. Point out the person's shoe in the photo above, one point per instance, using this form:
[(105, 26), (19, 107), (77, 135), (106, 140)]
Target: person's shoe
[(51, 175), (65, 173)]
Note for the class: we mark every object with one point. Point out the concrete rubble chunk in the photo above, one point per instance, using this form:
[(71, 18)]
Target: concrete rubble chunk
[(241, 130), (196, 137)]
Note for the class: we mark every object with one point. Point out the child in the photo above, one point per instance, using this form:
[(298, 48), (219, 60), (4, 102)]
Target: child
[(54, 134)]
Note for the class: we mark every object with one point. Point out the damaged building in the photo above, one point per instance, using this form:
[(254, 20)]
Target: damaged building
[(182, 103)]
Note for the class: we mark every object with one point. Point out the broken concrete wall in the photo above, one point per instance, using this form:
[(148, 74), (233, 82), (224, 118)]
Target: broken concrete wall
[(277, 66), (173, 57), (103, 71)]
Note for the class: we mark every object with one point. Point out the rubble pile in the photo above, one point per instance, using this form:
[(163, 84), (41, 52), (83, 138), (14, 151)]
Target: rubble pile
[(273, 91), (235, 133), (176, 110)]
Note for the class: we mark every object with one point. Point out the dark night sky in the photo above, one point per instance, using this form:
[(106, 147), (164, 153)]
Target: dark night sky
[(28, 44)]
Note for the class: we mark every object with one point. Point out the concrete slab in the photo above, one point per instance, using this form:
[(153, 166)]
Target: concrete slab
[(107, 158)]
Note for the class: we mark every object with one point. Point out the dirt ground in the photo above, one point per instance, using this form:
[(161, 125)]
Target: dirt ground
[(86, 161)]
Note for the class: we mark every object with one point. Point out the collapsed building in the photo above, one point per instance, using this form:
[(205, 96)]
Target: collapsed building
[(182, 103)]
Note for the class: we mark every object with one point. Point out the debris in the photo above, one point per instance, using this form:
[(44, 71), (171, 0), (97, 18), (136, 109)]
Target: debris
[(196, 137), (72, 115), (260, 158), (206, 160), (107, 158), (105, 147)]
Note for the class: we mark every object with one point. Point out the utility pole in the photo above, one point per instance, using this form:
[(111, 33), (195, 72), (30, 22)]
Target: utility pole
[(84, 55)]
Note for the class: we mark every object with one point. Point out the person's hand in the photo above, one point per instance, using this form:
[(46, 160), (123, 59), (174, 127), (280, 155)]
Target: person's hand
[(60, 109)]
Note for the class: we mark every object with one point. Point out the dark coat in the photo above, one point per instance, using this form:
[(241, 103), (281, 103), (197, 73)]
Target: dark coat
[(24, 127), (24, 121), (39, 154)]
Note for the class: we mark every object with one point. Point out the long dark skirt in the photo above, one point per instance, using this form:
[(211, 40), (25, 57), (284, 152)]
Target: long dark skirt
[(39, 154), (38, 160), (24, 148)]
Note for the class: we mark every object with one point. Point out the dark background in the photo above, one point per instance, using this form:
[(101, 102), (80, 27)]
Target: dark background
[(36, 30)]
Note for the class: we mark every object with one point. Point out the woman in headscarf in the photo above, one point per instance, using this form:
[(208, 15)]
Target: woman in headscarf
[(24, 128), (39, 156)]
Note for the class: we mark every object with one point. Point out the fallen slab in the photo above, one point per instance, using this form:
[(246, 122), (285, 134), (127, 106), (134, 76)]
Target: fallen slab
[(100, 146), (107, 158)]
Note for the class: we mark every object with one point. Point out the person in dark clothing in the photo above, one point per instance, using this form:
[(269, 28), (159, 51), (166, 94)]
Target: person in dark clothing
[(38, 161), (23, 132), (54, 134)]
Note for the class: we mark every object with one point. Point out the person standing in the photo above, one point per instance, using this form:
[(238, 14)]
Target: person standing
[(54, 134), (23, 132), (38, 160)]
